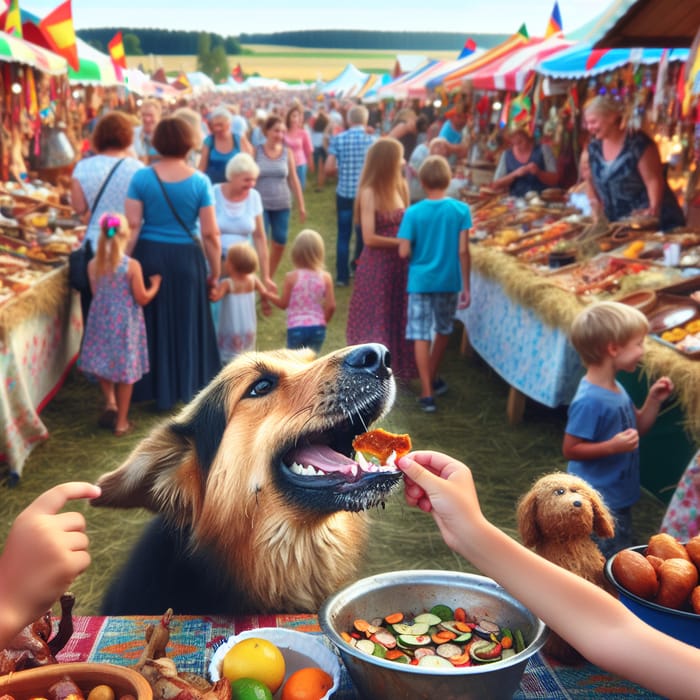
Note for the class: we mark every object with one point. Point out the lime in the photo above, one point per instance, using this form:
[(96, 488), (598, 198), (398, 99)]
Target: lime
[(249, 689)]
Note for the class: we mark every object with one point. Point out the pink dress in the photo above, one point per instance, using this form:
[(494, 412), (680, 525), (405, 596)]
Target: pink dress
[(378, 305), (306, 300)]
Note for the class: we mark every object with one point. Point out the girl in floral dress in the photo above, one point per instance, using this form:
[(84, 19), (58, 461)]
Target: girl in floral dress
[(114, 347), (237, 326)]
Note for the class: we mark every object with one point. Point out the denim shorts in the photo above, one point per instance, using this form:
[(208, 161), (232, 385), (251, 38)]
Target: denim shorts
[(425, 311), (306, 337), (277, 224)]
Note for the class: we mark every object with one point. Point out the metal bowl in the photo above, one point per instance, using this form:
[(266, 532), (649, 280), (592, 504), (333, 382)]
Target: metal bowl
[(414, 592), (681, 624)]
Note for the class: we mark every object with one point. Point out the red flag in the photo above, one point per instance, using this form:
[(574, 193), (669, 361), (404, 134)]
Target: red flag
[(57, 28), (116, 50), (237, 74)]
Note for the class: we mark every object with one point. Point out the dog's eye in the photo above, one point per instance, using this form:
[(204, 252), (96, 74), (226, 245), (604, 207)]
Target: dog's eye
[(261, 387), (560, 492)]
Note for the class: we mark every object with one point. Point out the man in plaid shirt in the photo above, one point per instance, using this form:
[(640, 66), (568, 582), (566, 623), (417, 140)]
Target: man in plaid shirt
[(346, 156)]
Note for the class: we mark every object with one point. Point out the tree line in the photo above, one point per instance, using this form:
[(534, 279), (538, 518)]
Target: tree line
[(166, 42)]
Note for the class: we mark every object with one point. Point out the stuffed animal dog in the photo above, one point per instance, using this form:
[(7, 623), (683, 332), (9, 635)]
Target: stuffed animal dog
[(257, 492), (556, 518)]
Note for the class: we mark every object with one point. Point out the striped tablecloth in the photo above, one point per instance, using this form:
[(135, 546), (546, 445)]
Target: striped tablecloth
[(120, 640)]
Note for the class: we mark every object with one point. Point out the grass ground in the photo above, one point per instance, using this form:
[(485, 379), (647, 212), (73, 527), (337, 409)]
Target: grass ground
[(289, 63), (470, 424)]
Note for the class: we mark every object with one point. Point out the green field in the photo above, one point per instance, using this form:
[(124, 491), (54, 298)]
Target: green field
[(290, 63)]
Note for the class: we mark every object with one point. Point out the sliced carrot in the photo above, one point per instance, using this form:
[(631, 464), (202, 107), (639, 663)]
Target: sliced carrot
[(460, 615), (507, 642), (461, 660), (392, 654), (442, 636), (464, 626), (346, 637), (361, 625), (394, 618)]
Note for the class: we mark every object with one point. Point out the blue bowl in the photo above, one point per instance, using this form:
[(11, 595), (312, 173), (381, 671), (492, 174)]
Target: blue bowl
[(682, 625)]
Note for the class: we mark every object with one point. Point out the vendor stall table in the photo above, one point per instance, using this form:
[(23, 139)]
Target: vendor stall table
[(517, 321), (40, 332), (120, 640)]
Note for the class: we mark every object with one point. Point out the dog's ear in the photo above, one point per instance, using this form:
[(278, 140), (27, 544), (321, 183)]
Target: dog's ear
[(166, 471), (603, 522), (527, 518)]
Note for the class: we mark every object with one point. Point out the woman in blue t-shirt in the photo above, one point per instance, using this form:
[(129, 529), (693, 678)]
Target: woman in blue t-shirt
[(170, 207), (221, 145)]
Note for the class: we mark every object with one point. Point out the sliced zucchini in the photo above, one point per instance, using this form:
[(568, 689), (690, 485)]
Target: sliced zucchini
[(366, 646), (428, 619), (414, 629), (434, 662), (443, 612), (414, 640)]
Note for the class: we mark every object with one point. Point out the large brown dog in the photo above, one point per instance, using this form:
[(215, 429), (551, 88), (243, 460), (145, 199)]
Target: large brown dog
[(257, 493)]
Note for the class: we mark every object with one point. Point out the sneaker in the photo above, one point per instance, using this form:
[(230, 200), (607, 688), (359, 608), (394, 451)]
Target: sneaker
[(439, 387), (427, 404)]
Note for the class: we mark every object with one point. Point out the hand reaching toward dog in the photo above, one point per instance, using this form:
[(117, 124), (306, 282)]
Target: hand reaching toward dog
[(44, 551)]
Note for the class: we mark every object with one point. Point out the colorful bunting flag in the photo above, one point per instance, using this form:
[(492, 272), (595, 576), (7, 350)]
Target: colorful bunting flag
[(182, 82), (57, 28), (116, 50), (523, 31), (468, 49), (13, 19), (554, 26), (237, 73)]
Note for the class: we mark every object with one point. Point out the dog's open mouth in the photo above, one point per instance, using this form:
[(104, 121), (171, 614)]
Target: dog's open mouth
[(321, 460)]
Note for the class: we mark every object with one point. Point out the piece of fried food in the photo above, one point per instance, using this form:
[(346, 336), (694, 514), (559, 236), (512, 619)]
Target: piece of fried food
[(381, 443)]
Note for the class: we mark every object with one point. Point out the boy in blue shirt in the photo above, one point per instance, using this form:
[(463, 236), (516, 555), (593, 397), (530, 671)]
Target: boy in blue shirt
[(601, 440), (434, 234)]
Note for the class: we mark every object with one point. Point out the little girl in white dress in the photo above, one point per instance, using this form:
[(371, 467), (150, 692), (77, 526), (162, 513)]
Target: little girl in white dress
[(237, 316)]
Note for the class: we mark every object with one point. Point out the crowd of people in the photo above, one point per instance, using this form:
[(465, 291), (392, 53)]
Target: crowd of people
[(189, 217)]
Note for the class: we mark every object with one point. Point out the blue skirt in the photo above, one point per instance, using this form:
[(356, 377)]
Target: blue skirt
[(182, 349)]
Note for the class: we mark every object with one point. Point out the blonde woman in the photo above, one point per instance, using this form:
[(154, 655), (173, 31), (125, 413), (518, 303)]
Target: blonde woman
[(626, 171), (378, 304), (221, 145), (143, 135)]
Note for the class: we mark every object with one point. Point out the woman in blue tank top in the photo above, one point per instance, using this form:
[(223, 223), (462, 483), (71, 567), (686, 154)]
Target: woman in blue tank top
[(220, 146)]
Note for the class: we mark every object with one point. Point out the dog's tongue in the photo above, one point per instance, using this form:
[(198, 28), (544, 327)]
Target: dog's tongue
[(324, 458)]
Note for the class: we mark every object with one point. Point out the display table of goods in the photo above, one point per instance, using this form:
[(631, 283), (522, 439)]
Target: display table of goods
[(40, 318), (190, 642)]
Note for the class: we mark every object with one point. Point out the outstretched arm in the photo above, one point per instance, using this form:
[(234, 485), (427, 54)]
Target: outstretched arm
[(612, 637), (44, 551)]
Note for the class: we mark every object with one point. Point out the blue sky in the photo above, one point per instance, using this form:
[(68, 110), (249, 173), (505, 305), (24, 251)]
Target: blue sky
[(235, 17)]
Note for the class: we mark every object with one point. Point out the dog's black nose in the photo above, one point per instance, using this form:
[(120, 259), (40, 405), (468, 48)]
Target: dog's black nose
[(373, 358), (577, 503)]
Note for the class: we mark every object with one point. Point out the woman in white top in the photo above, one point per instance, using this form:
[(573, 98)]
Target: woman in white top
[(239, 211)]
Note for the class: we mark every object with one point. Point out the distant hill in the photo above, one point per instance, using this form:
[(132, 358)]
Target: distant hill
[(173, 42)]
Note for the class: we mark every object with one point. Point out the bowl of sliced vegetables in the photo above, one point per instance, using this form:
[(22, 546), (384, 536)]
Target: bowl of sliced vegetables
[(431, 634)]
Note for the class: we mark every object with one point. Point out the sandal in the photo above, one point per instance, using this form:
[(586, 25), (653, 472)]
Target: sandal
[(108, 418), (125, 431)]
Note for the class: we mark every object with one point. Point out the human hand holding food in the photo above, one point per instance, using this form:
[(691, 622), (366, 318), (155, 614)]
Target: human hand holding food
[(661, 389), (44, 551), (626, 441)]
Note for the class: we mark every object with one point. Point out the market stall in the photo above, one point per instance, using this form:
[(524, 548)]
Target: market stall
[(40, 318)]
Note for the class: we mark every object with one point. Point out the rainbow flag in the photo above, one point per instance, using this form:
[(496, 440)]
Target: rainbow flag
[(554, 26), (116, 50), (13, 19), (468, 49), (57, 28)]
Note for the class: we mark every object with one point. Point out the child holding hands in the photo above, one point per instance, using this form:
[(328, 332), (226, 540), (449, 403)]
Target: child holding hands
[(237, 326), (114, 347), (307, 293), (602, 433), (612, 637), (44, 551)]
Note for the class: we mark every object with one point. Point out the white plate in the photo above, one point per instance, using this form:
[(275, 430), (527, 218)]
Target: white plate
[(300, 650)]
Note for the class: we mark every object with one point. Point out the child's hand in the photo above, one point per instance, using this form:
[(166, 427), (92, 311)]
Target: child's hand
[(661, 389), (45, 550), (626, 441), (464, 299), (265, 306), (155, 280)]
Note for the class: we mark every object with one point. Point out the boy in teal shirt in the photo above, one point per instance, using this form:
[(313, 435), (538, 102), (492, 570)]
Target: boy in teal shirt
[(434, 235)]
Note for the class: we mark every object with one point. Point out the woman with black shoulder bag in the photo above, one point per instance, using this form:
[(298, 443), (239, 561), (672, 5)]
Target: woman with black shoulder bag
[(170, 209), (99, 185)]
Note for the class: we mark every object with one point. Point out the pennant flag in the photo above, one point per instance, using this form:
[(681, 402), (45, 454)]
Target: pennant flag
[(159, 76), (523, 31), (116, 50), (468, 49), (57, 28), (554, 26), (182, 82), (13, 19), (237, 73)]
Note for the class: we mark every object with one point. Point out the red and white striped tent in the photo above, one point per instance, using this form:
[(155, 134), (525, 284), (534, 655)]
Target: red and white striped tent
[(511, 71)]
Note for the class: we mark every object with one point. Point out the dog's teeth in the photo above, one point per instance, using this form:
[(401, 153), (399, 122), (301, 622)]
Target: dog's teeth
[(362, 461)]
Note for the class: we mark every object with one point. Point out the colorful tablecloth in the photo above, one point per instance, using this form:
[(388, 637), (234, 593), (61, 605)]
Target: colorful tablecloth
[(531, 356), (120, 640), (35, 355)]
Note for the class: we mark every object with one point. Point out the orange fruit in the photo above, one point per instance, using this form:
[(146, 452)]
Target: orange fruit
[(255, 658), (307, 684)]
